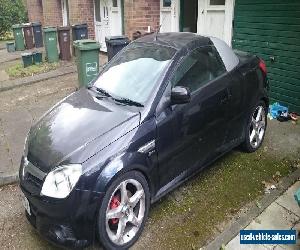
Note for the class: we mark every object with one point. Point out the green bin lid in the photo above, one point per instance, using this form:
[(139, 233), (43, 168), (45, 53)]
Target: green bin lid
[(49, 29), (16, 26), (86, 44)]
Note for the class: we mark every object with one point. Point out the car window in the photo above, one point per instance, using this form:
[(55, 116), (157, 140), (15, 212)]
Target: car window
[(133, 73), (199, 67)]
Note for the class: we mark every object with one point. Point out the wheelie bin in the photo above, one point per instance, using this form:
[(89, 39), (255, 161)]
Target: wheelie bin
[(64, 42), (37, 34), (50, 36), (28, 35), (18, 35), (79, 32), (114, 44), (87, 60)]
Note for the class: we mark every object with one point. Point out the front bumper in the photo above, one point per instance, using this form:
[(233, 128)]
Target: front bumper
[(69, 222)]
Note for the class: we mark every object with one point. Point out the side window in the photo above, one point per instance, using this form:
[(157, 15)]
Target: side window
[(199, 67)]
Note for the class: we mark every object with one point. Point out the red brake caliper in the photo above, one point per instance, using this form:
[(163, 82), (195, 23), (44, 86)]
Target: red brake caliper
[(115, 202)]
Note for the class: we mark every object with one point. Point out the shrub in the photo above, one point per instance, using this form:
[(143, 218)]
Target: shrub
[(11, 12)]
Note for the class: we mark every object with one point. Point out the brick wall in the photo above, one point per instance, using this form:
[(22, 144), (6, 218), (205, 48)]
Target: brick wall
[(35, 10), (139, 14), (52, 12), (82, 11)]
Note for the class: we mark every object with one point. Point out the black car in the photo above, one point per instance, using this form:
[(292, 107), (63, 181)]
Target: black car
[(160, 111)]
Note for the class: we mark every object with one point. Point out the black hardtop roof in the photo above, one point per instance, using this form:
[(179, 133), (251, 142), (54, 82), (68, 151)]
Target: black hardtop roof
[(177, 40)]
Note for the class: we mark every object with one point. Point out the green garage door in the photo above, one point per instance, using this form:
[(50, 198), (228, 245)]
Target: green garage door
[(271, 30)]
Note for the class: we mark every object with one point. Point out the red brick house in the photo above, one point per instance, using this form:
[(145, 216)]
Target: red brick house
[(270, 30), (117, 17), (104, 17)]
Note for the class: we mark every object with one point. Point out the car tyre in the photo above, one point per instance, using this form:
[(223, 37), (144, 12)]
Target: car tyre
[(123, 211), (255, 128)]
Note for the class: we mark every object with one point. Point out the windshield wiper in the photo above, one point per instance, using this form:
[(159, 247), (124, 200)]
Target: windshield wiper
[(103, 91), (128, 102)]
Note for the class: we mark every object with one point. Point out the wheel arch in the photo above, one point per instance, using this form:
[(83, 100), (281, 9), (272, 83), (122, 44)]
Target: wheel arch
[(113, 171), (265, 100)]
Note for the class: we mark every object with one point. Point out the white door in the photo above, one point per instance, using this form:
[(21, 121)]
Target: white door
[(116, 18), (169, 15), (108, 20), (215, 18)]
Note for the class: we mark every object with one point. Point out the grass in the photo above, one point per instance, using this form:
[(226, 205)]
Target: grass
[(189, 216), (18, 70)]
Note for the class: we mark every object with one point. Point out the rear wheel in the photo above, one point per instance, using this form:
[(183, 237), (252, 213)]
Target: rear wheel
[(123, 211), (255, 128)]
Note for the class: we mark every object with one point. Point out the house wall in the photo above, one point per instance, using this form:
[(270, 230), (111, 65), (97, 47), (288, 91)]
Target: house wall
[(139, 14), (82, 11), (52, 12), (49, 12), (271, 30), (35, 10)]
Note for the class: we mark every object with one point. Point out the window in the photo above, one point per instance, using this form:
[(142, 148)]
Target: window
[(115, 3), (167, 3), (135, 71), (217, 2), (199, 67), (97, 11)]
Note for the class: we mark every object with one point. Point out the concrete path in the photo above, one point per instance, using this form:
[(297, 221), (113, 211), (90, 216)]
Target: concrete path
[(283, 213)]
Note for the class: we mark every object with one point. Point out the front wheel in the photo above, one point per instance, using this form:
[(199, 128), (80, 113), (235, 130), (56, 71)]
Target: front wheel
[(123, 211), (255, 128)]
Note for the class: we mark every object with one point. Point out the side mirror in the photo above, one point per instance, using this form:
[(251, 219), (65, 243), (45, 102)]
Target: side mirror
[(180, 95)]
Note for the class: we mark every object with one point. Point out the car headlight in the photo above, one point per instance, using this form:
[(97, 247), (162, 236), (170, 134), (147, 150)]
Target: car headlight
[(60, 182)]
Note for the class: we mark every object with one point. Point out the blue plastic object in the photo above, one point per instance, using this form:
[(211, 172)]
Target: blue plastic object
[(276, 110)]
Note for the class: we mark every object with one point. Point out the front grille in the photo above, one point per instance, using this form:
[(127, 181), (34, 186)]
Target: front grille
[(34, 180)]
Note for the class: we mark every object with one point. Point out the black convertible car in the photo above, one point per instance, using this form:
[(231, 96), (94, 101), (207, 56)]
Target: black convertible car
[(164, 108)]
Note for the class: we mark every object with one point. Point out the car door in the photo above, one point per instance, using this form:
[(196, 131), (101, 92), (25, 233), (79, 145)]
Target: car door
[(188, 134)]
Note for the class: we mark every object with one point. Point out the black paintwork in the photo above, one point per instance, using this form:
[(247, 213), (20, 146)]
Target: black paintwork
[(105, 136)]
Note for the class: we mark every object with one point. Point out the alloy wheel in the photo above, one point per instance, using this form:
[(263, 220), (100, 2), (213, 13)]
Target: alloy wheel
[(257, 127), (125, 211)]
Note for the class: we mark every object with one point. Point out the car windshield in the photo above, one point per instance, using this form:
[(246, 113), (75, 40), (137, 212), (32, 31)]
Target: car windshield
[(133, 74)]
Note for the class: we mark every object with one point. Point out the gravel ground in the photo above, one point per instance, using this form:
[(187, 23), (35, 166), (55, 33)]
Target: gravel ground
[(15, 231), (20, 108)]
